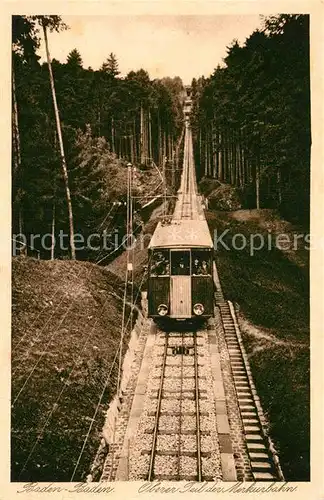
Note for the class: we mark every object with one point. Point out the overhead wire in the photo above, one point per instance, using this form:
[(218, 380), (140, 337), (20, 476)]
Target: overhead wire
[(106, 382), (55, 405), (124, 326), (53, 311)]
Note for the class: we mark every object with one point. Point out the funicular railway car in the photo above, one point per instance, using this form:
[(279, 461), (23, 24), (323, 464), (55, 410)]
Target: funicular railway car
[(180, 283)]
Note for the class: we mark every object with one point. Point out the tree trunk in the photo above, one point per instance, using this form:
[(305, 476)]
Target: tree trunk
[(142, 136), (16, 152), (164, 147), (131, 142), (60, 138), (200, 151), (160, 155), (210, 150), (53, 230), (150, 135), (172, 165), (169, 155), (239, 165), (257, 183), (206, 157), (135, 140), (16, 135), (220, 156), (279, 186), (213, 142), (113, 149)]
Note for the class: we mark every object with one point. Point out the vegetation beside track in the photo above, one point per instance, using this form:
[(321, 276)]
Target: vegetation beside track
[(71, 312), (271, 292)]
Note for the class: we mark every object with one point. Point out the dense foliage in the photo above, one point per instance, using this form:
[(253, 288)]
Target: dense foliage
[(106, 121), (252, 118)]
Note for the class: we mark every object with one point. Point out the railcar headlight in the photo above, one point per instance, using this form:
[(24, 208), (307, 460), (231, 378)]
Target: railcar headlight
[(198, 309), (162, 310)]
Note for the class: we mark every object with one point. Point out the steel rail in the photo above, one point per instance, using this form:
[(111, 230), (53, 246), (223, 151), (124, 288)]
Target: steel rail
[(157, 415), (199, 472), (180, 406)]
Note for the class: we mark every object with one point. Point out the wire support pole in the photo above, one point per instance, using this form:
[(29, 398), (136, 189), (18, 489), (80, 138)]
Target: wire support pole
[(131, 257), (128, 268)]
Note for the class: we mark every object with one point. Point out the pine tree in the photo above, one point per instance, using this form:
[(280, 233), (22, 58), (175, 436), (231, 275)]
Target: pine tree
[(51, 23), (74, 59), (110, 66)]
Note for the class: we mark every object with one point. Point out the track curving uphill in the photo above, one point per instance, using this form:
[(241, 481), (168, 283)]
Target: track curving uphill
[(194, 413)]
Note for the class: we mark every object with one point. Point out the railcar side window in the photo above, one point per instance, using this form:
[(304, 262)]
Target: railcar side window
[(160, 265), (180, 263), (201, 263)]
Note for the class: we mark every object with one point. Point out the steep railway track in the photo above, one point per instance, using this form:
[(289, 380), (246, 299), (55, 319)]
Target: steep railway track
[(188, 189), (183, 402), (176, 435), (202, 419)]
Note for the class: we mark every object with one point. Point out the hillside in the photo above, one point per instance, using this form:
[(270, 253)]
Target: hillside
[(65, 332), (270, 290)]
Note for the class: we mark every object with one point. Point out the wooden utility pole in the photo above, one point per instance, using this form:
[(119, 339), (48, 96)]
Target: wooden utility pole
[(165, 185), (16, 152), (17, 157), (112, 135), (142, 135), (60, 138), (257, 183)]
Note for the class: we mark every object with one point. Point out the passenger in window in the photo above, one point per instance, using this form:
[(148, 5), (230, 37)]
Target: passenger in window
[(164, 268), (182, 268), (196, 265), (204, 268), (159, 265)]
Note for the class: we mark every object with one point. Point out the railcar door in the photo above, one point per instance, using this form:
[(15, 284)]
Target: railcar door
[(180, 303), (202, 280), (158, 283)]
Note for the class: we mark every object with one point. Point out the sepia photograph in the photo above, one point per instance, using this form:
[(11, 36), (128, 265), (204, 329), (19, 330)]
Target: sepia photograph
[(160, 238)]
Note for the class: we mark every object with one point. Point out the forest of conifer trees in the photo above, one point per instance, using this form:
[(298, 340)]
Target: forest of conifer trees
[(75, 128), (101, 123), (252, 118), (78, 136)]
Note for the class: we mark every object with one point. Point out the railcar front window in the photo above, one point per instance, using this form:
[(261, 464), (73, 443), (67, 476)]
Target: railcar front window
[(201, 263), (160, 265), (180, 263)]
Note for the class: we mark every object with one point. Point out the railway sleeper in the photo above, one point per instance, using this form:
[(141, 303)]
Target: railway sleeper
[(173, 413), (259, 456), (181, 477), (261, 466), (248, 414), (264, 476), (171, 355), (190, 397), (169, 432), (247, 409), (181, 377), (176, 391), (254, 438), (252, 430), (175, 453)]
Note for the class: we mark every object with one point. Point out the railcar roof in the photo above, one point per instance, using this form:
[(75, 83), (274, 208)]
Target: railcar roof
[(185, 233)]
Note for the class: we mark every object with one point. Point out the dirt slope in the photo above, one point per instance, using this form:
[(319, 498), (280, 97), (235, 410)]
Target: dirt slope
[(65, 332), (271, 292)]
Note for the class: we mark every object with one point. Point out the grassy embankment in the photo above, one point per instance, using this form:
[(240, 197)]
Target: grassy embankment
[(65, 333), (66, 325), (271, 292)]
